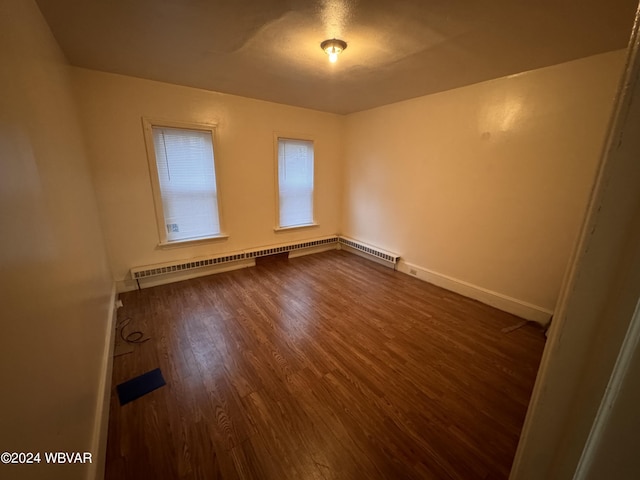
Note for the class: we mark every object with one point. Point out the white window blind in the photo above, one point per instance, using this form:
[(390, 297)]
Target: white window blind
[(295, 182), (187, 178)]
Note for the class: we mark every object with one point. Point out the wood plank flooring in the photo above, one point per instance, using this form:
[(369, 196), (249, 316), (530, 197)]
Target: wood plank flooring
[(327, 366)]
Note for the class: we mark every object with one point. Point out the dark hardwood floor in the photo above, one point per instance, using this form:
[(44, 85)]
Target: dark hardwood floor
[(326, 366)]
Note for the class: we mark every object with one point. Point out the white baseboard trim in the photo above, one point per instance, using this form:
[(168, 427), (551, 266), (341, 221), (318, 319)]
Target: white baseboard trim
[(129, 285), (501, 302), (101, 422)]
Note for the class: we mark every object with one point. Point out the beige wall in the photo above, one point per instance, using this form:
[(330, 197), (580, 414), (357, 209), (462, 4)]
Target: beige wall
[(491, 174), (55, 286), (482, 188), (112, 107), (586, 391)]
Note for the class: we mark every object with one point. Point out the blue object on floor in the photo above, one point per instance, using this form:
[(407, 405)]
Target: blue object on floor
[(139, 386)]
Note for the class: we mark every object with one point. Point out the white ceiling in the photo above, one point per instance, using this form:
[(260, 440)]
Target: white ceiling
[(270, 49)]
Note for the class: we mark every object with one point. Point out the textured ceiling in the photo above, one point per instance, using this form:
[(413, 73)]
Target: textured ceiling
[(270, 49)]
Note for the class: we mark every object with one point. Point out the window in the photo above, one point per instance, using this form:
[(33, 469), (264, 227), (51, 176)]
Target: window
[(183, 176), (295, 183)]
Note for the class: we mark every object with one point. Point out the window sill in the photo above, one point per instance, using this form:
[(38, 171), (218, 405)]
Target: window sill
[(295, 227), (191, 242)]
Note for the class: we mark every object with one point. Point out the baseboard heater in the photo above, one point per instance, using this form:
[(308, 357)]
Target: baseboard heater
[(138, 273), (369, 250)]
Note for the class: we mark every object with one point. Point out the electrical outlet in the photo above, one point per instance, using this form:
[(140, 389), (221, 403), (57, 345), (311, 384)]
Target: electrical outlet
[(413, 271)]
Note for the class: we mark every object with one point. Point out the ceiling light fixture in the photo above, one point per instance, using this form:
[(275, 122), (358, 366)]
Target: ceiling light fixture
[(333, 47)]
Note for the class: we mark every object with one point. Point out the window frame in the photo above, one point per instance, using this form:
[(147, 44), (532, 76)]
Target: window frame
[(148, 124), (276, 141)]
